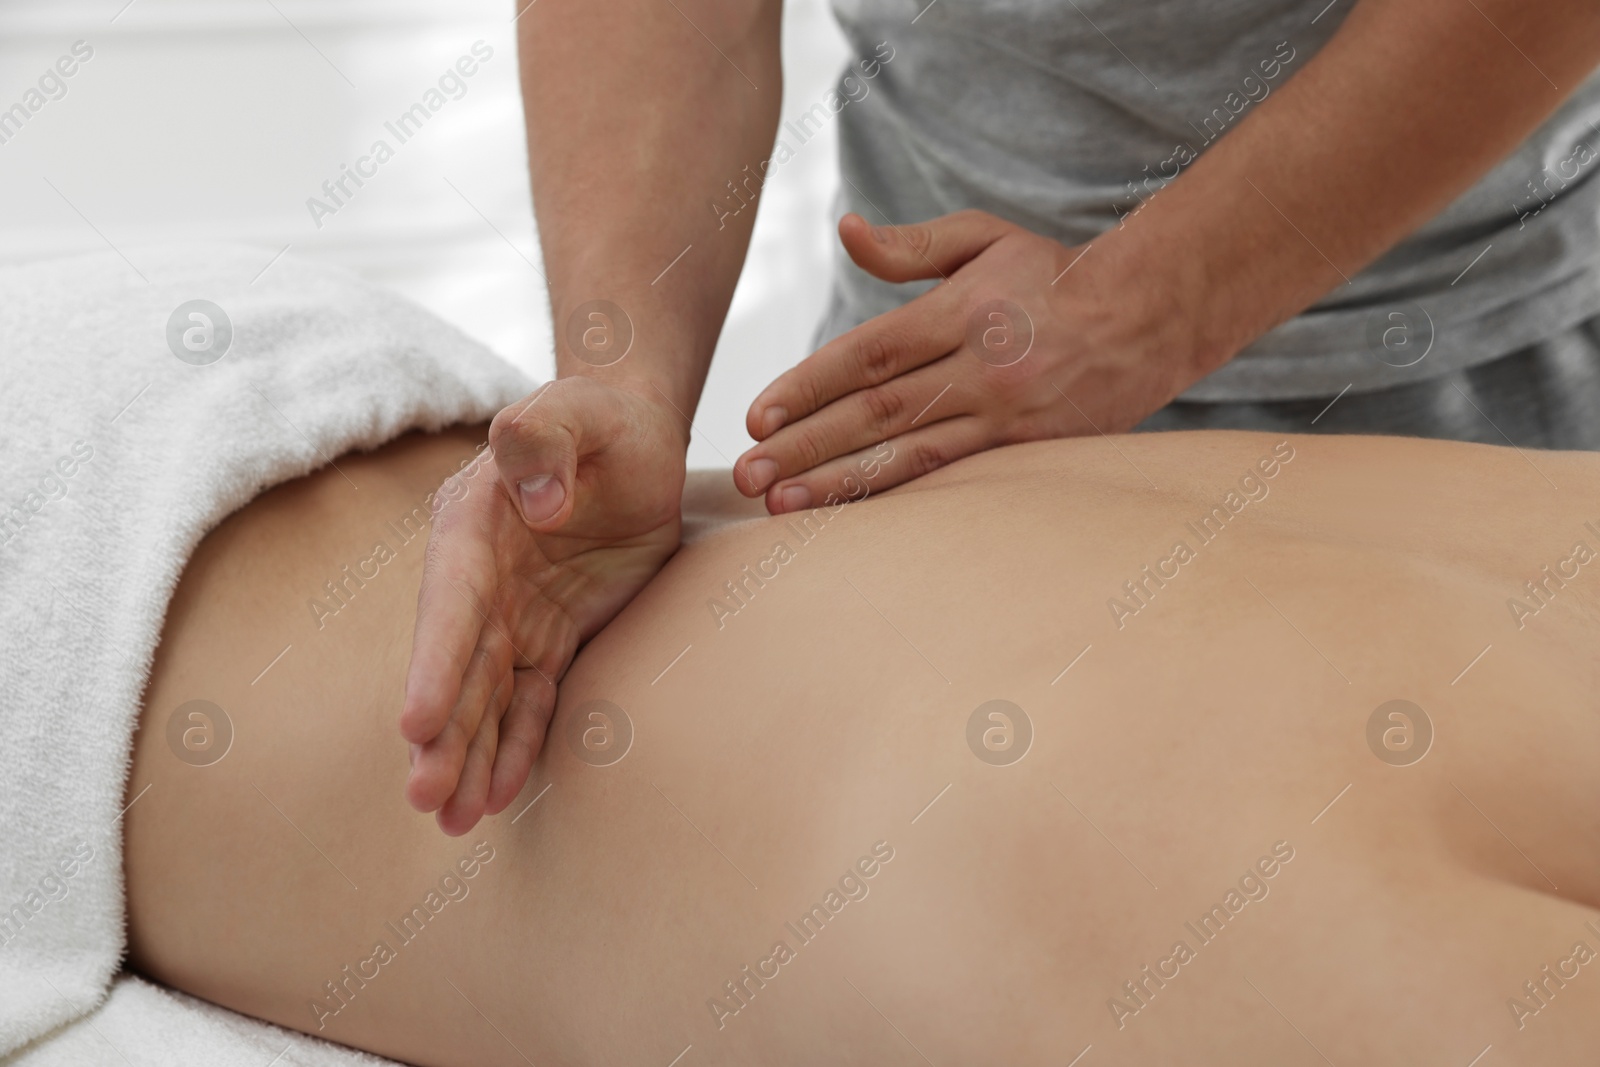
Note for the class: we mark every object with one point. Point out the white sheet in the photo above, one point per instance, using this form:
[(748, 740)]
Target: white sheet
[(142, 1024)]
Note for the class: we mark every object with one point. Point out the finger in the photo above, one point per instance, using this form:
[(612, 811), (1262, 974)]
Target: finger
[(457, 584), (910, 251), (522, 735), (462, 810), (537, 445), (898, 341), (894, 462), (436, 768), (861, 418)]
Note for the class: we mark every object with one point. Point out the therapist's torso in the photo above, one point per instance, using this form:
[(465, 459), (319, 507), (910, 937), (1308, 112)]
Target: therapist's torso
[(1064, 116)]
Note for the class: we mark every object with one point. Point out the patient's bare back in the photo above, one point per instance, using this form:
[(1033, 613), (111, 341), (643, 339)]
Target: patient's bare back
[(1170, 747)]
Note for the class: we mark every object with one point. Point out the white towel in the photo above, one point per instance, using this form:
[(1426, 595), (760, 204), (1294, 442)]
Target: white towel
[(144, 1025), (118, 456)]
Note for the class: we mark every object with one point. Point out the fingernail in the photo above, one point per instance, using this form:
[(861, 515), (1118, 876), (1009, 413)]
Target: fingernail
[(774, 417), (542, 496), (763, 472), (415, 749), (795, 497)]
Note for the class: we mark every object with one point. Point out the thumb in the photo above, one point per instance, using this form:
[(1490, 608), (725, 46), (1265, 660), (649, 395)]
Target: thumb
[(537, 442), (932, 249)]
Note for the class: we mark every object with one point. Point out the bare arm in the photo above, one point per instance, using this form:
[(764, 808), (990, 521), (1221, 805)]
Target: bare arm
[(639, 113), (1409, 104)]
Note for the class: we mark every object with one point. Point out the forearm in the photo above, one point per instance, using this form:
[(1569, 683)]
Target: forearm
[(639, 112), (1408, 105)]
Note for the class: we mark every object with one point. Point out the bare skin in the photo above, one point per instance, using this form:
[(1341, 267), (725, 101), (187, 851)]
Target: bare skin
[(829, 715)]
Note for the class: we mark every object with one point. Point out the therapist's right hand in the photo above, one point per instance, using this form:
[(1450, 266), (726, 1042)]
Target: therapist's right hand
[(574, 508)]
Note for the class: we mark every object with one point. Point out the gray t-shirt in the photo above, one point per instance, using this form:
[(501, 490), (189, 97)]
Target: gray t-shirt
[(1063, 115)]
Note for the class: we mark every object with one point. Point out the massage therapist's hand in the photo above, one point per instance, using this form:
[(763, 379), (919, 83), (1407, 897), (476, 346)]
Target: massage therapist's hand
[(957, 371), (533, 549)]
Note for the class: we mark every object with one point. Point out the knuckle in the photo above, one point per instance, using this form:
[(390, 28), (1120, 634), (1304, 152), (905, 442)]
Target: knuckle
[(513, 746), (518, 427), (452, 742), (924, 457), (501, 425), (1016, 385), (499, 696), (878, 357), (510, 426), (984, 219), (810, 450), (811, 396), (516, 755), (919, 236), (884, 408), (482, 664), (1028, 427), (800, 388)]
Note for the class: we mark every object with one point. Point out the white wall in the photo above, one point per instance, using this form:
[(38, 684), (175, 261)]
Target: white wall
[(215, 120)]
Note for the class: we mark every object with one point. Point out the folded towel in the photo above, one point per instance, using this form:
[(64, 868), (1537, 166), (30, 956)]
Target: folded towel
[(138, 408)]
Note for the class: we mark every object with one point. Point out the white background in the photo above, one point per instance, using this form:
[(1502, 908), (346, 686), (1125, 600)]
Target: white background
[(214, 120)]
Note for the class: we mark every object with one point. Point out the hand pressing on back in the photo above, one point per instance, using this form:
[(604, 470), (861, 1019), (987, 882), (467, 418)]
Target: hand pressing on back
[(573, 508), (1018, 342)]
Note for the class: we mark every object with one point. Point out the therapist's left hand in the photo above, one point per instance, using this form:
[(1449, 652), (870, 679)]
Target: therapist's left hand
[(534, 548), (1023, 339)]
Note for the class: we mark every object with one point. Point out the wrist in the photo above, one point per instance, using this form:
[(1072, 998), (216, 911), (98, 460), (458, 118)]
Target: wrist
[(673, 413), (1147, 303), (676, 410), (647, 376), (631, 350)]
